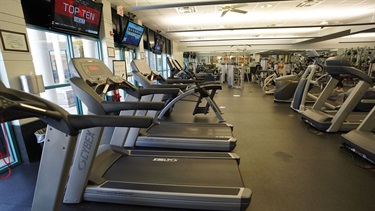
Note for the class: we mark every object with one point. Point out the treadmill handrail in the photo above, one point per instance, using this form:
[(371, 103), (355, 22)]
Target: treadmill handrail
[(28, 105), (110, 106), (149, 91)]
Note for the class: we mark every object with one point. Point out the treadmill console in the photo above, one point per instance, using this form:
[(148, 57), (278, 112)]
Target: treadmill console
[(141, 66), (91, 70), (115, 79)]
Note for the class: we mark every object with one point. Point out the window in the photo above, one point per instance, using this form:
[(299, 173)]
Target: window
[(85, 48), (51, 54)]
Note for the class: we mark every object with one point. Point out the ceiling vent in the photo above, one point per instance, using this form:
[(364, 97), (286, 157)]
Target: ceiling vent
[(309, 3), (186, 10)]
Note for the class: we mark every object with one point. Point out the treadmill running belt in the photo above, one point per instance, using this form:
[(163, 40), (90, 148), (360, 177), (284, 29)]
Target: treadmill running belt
[(191, 131), (176, 171), (170, 188)]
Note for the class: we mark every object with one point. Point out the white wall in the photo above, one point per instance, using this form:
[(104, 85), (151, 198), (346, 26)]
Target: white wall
[(177, 52), (12, 63), (106, 38)]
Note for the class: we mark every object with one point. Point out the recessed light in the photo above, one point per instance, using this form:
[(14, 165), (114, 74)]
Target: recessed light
[(266, 6)]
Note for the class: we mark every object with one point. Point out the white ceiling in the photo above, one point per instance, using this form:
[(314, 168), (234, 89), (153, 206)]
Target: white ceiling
[(336, 15)]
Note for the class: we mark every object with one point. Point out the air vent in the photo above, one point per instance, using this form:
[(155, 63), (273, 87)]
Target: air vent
[(185, 10), (309, 3)]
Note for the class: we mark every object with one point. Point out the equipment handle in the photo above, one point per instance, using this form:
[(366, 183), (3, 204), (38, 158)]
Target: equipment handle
[(120, 106), (87, 121)]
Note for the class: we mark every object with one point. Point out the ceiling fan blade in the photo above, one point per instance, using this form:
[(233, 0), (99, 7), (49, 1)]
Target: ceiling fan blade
[(238, 11), (239, 5), (224, 12), (226, 8)]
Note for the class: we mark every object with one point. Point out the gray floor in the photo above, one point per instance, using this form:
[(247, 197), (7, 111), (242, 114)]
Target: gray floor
[(287, 164)]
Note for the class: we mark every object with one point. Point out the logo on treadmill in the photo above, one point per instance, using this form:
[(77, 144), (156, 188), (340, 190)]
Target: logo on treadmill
[(165, 160), (86, 148)]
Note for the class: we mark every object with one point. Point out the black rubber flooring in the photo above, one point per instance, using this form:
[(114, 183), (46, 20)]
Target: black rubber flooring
[(288, 165)]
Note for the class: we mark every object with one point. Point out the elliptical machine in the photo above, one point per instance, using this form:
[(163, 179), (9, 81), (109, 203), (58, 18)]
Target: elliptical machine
[(307, 81)]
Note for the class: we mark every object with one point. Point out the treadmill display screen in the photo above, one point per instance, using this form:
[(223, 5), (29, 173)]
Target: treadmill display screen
[(93, 68), (94, 71)]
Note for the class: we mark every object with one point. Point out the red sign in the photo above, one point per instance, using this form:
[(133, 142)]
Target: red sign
[(79, 10)]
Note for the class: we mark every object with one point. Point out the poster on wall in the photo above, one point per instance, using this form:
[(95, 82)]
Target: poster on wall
[(119, 68), (14, 41)]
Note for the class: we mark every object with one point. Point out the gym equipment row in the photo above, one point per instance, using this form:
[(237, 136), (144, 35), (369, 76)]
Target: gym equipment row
[(89, 86), (355, 115), (75, 166), (206, 91), (362, 57)]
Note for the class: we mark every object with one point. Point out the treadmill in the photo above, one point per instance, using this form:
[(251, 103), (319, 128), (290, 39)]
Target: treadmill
[(362, 140), (206, 90), (61, 138), (343, 119), (193, 180), (177, 179), (89, 87)]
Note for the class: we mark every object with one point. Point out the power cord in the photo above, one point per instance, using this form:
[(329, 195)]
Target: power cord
[(344, 150)]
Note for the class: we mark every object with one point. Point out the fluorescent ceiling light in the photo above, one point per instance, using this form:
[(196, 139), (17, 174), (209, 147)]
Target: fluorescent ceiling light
[(248, 32), (362, 35), (218, 39), (303, 14), (269, 28)]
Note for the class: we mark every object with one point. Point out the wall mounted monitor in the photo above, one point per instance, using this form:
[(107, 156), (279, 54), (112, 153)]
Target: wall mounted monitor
[(132, 34), (77, 16), (158, 47)]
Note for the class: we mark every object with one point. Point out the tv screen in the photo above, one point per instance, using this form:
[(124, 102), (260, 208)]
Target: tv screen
[(116, 29), (132, 34), (158, 47), (42, 17), (80, 16)]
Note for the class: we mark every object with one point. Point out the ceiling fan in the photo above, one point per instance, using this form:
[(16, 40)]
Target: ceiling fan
[(233, 8)]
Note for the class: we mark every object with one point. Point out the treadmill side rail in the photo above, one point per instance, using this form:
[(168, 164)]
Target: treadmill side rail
[(183, 197)]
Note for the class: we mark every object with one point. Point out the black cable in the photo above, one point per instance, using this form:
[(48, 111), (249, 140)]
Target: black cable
[(343, 149)]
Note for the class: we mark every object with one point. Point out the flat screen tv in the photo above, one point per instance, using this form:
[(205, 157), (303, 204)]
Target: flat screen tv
[(132, 34), (158, 47), (79, 16)]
